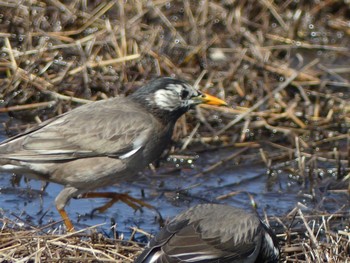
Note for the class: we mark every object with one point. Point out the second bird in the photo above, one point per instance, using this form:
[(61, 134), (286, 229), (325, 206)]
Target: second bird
[(213, 233), (103, 142)]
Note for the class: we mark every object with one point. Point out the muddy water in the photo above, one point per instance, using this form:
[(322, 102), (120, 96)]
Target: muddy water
[(172, 189)]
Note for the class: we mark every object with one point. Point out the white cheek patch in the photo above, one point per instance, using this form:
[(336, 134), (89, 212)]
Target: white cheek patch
[(178, 88), (166, 99), (170, 99)]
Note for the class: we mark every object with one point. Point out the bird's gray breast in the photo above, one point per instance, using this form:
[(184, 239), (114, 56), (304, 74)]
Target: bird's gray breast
[(156, 142)]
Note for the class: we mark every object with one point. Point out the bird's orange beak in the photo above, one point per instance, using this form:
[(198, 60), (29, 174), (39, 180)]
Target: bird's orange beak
[(211, 100)]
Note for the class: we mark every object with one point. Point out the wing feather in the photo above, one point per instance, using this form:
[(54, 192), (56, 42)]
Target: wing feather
[(104, 128), (198, 235)]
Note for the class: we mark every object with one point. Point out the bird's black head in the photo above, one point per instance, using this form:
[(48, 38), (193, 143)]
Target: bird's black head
[(170, 98)]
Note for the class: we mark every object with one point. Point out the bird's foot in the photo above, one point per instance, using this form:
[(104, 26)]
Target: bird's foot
[(134, 203), (66, 220)]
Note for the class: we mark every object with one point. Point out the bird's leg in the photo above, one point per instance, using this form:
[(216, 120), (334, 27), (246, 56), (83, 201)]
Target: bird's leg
[(115, 197), (66, 220), (61, 200), (15, 180)]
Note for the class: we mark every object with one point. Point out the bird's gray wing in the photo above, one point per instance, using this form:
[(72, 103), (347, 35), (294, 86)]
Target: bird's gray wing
[(189, 245), (153, 250), (116, 128), (195, 241)]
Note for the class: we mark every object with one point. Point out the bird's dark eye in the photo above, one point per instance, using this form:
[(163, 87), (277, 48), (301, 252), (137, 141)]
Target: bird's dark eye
[(184, 94)]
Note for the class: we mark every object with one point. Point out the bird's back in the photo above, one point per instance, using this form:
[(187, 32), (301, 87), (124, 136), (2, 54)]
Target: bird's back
[(113, 128), (208, 233)]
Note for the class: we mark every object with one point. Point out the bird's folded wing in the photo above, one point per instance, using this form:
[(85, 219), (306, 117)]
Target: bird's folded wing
[(90, 132), (188, 245)]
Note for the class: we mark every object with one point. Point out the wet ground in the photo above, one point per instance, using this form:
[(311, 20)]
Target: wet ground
[(174, 187)]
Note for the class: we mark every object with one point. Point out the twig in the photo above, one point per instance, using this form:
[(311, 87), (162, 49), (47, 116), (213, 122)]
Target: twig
[(264, 99), (221, 162)]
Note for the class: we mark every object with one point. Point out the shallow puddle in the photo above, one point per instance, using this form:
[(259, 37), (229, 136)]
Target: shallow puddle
[(171, 190), (174, 187)]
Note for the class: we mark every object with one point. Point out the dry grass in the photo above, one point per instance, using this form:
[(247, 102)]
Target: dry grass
[(38, 245), (316, 237), (281, 65)]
